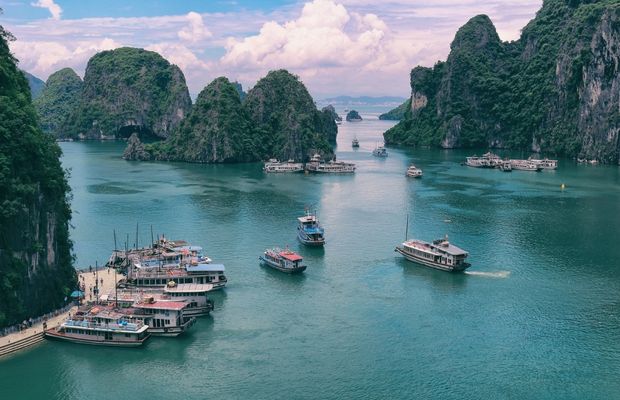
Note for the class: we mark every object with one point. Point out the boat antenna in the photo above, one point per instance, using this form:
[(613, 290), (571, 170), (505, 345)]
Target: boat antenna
[(115, 248), (115, 289), (96, 282), (407, 228), (152, 238), (137, 243)]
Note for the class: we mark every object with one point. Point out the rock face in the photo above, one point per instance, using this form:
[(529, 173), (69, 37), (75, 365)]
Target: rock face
[(353, 116), (554, 90), (288, 124), (135, 149), (329, 118), (36, 85), (58, 99), (217, 130), (36, 271), (129, 90)]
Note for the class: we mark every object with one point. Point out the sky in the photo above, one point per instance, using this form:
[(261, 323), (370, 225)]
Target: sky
[(336, 47)]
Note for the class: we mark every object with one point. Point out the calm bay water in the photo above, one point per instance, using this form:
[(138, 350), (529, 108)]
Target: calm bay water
[(537, 316)]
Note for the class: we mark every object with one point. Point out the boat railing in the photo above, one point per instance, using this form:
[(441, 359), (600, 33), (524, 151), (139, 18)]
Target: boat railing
[(115, 326)]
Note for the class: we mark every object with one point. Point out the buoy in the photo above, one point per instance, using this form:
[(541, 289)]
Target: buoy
[(563, 186)]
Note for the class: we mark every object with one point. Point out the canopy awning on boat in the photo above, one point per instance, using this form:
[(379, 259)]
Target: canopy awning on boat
[(289, 255), (189, 288), (206, 268)]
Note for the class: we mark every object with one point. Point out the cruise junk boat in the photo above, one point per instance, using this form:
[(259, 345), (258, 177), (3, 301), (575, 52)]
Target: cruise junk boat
[(309, 231), (275, 166), (164, 318), (102, 327), (141, 276), (440, 254), (317, 165), (283, 260)]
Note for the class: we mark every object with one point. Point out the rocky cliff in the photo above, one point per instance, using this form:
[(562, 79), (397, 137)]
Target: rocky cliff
[(129, 90), (216, 130), (353, 116), (554, 90), (58, 99), (287, 123), (36, 271)]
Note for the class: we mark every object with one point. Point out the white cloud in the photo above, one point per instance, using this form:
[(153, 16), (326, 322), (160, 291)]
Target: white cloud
[(52, 7), (196, 30)]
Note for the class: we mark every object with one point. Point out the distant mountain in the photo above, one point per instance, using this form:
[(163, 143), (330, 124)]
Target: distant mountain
[(36, 85), (363, 100)]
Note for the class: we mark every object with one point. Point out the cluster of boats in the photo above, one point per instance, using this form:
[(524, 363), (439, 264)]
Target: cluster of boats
[(315, 165), (165, 289), (490, 160)]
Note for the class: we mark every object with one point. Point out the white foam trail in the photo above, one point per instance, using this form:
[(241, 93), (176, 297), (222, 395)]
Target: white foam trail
[(496, 274)]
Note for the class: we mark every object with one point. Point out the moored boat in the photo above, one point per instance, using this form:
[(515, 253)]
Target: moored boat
[(332, 167), (158, 277), (309, 231), (102, 327), (355, 143), (275, 166), (283, 260), (439, 254), (525, 165), (505, 166), (414, 172), (545, 163), (164, 318)]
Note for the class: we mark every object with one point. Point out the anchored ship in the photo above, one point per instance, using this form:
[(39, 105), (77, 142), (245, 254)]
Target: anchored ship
[(317, 165), (273, 165)]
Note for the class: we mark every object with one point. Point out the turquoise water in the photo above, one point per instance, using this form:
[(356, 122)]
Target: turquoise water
[(536, 317)]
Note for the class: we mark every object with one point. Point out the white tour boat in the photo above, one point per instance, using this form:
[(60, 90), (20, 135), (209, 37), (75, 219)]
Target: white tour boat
[(332, 167), (283, 260), (414, 172), (440, 254), (275, 166)]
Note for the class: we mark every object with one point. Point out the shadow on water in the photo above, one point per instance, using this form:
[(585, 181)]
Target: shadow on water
[(287, 280)]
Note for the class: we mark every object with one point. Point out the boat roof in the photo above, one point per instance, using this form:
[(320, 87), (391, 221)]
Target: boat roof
[(162, 305), (445, 247), (307, 218), (189, 288), (189, 248), (205, 268), (290, 255)]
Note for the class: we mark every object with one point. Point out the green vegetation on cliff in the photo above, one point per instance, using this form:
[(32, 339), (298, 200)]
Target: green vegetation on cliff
[(36, 85), (36, 271), (287, 122), (58, 99), (277, 118), (353, 116), (217, 129), (397, 113), (129, 90), (553, 90)]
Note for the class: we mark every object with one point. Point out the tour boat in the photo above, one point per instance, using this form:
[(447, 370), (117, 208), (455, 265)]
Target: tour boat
[(440, 254), (101, 326), (487, 160), (545, 163), (525, 165), (505, 166), (332, 167), (158, 277), (283, 260), (164, 318), (273, 165), (380, 151), (195, 295), (355, 143), (309, 231), (414, 172)]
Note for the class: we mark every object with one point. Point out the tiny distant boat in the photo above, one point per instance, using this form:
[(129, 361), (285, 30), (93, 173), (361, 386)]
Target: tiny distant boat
[(338, 121), (440, 254), (332, 167), (380, 151), (283, 260), (414, 172), (275, 166), (355, 143), (309, 231), (102, 327)]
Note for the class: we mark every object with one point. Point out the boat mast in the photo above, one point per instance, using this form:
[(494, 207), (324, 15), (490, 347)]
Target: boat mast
[(407, 228)]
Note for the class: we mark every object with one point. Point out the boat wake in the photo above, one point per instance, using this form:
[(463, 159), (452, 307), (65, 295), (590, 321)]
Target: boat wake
[(495, 274)]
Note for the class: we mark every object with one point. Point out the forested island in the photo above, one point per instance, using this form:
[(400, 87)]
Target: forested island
[(36, 267), (555, 90)]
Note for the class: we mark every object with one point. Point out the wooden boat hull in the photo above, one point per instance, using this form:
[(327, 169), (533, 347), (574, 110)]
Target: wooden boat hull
[(269, 264), (52, 334), (429, 264)]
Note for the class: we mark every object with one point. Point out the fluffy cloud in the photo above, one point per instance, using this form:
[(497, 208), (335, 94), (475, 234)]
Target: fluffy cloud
[(52, 7), (43, 57), (196, 30)]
